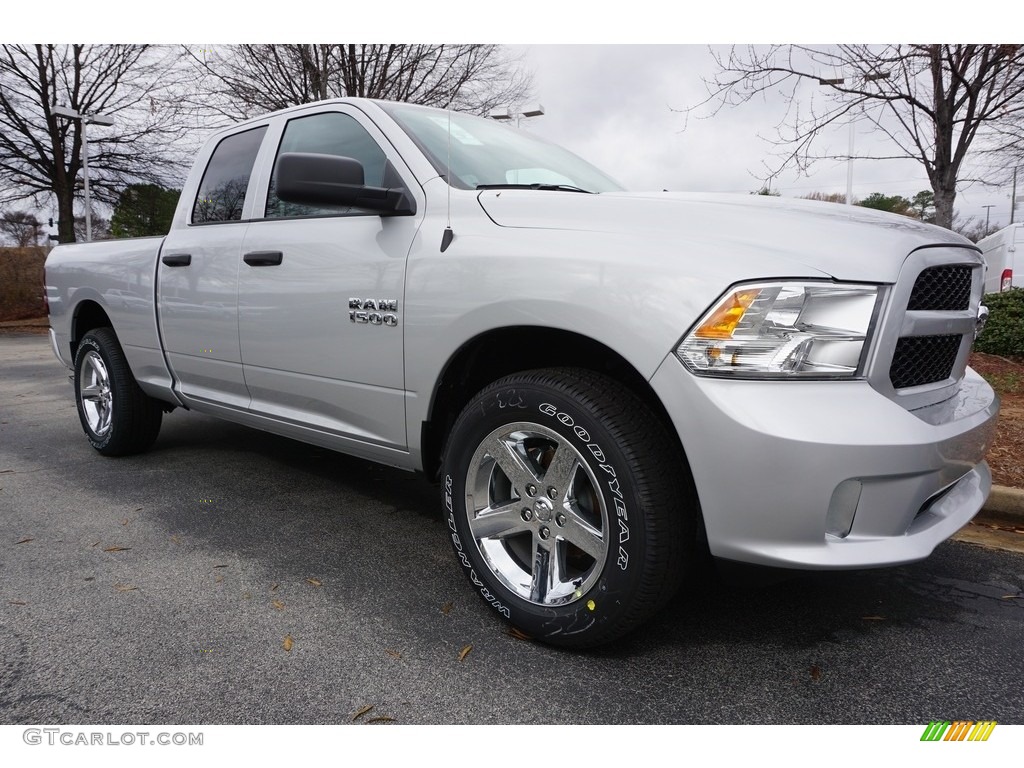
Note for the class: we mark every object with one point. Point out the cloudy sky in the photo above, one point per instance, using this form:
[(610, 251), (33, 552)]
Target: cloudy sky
[(609, 76), (620, 106)]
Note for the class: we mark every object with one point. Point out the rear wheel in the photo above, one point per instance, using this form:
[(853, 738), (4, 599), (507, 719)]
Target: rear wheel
[(117, 416), (570, 507)]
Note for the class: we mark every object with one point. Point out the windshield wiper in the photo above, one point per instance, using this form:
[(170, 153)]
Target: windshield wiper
[(548, 187)]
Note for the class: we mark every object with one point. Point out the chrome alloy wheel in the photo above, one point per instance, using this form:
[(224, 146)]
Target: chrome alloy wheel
[(97, 399), (536, 514)]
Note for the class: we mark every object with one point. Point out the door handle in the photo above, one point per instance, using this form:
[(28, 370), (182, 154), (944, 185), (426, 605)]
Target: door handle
[(177, 259), (263, 258)]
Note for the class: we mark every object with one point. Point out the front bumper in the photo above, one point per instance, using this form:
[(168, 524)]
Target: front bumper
[(768, 457)]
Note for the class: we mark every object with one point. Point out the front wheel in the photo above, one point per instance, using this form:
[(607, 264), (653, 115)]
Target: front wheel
[(569, 506), (117, 416)]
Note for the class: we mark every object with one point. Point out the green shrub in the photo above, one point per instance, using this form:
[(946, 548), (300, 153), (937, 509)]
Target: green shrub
[(1004, 332)]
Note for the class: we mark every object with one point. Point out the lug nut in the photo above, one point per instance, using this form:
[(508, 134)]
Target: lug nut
[(545, 533), (531, 490), (552, 493), (560, 519), (527, 515)]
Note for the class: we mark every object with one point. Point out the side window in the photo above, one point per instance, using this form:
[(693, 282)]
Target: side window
[(329, 133), (226, 179)]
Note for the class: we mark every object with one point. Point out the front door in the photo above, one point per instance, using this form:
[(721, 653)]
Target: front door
[(320, 297)]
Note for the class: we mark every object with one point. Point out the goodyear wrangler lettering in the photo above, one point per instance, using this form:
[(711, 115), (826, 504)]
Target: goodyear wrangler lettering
[(464, 559), (613, 485)]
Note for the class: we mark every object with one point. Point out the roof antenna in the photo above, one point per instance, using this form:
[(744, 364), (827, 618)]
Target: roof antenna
[(448, 236)]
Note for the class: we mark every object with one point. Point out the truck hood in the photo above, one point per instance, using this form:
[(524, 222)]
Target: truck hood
[(844, 242)]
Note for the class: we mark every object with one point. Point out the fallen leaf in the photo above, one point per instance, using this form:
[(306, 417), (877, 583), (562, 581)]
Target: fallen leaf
[(117, 549), (17, 602), (815, 672), (518, 634), (381, 719), (219, 579), (315, 582), (446, 608), (175, 539), (392, 654), (288, 643), (247, 595), (465, 652), (278, 604), (125, 521), (220, 566), (274, 587), (125, 588), (23, 541), (362, 711)]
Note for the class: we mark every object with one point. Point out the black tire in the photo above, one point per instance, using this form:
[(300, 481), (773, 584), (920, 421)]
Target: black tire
[(583, 564), (117, 416)]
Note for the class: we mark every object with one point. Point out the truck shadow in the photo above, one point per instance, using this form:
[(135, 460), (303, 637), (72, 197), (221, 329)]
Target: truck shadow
[(292, 510)]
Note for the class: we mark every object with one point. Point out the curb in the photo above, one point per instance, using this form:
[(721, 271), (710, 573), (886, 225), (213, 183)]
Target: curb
[(1005, 503)]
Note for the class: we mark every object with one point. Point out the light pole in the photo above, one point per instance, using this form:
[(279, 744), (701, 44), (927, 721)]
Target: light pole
[(516, 113), (988, 211), (869, 78), (1013, 195), (98, 119)]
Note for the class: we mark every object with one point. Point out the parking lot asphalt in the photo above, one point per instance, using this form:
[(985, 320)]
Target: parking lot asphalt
[(230, 576)]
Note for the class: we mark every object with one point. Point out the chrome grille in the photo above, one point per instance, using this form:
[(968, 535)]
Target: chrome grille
[(923, 360), (945, 289)]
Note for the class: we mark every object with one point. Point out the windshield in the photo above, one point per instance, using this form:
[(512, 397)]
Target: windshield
[(485, 153)]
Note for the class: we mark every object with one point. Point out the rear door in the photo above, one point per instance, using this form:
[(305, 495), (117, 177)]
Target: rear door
[(197, 290), (321, 293)]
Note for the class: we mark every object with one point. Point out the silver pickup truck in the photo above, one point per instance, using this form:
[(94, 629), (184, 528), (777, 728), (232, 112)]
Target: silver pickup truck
[(605, 384)]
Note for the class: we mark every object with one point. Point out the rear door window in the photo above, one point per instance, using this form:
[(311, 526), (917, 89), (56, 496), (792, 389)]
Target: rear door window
[(226, 180)]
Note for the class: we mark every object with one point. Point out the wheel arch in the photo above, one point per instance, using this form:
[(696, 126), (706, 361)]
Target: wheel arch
[(88, 314), (502, 351)]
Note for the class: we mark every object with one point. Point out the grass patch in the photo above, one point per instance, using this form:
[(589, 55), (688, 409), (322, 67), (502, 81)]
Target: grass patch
[(1005, 383)]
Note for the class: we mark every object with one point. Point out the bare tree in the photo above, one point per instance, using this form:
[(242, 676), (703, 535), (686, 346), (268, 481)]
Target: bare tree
[(247, 80), (100, 227), (974, 228), (21, 227), (825, 197), (934, 103), (41, 153)]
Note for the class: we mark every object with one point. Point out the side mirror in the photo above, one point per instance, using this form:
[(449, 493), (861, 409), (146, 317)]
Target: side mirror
[(314, 179)]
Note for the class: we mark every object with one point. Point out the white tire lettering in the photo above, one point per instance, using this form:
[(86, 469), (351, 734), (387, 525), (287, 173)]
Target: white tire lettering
[(620, 508)]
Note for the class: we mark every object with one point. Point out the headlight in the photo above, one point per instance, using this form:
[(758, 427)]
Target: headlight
[(783, 330)]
